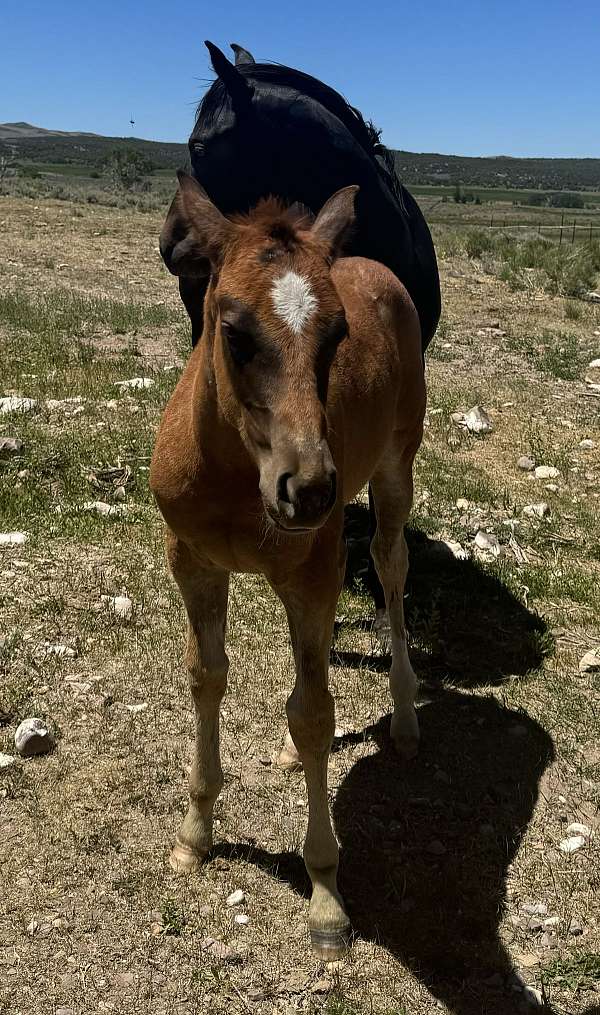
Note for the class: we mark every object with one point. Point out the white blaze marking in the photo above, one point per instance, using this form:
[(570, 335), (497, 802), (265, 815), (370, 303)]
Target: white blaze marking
[(294, 300)]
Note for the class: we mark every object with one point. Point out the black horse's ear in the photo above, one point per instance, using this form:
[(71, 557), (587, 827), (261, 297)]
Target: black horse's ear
[(242, 56), (240, 90)]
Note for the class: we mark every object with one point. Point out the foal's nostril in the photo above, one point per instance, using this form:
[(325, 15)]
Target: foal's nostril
[(282, 487)]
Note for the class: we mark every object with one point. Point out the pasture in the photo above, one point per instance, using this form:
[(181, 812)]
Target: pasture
[(460, 895)]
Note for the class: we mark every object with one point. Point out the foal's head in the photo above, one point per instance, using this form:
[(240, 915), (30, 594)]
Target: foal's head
[(276, 320)]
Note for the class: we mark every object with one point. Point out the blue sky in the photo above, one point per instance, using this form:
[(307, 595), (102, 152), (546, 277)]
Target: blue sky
[(484, 78)]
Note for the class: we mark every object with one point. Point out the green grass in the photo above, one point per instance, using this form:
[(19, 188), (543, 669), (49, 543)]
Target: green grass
[(573, 972), (64, 312)]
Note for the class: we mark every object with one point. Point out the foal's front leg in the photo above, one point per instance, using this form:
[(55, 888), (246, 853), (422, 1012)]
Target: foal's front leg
[(204, 592), (310, 600)]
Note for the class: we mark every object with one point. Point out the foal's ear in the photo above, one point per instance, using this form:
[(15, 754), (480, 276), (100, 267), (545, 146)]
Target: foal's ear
[(336, 219), (195, 233)]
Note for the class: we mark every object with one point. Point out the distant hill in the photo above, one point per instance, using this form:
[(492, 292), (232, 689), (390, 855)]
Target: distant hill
[(32, 145)]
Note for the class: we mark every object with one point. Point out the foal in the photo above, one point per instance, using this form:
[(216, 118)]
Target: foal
[(307, 383)]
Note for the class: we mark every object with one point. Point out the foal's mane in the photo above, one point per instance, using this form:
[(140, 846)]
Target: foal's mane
[(277, 76)]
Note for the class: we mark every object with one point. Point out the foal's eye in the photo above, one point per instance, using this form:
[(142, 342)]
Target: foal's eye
[(240, 343)]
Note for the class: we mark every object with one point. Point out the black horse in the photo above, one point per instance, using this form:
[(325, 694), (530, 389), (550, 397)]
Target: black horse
[(264, 129)]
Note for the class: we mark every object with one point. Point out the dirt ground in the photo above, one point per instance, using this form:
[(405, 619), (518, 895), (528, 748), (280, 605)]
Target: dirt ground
[(461, 899)]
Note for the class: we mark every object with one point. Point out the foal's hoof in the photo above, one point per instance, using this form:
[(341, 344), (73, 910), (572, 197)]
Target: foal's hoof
[(405, 734), (184, 860), (332, 944)]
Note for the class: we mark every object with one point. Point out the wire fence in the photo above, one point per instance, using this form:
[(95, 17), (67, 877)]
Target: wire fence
[(565, 231)]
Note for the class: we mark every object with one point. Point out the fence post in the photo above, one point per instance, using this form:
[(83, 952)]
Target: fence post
[(561, 234), (573, 235)]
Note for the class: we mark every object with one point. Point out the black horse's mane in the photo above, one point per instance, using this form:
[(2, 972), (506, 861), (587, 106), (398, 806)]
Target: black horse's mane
[(277, 75)]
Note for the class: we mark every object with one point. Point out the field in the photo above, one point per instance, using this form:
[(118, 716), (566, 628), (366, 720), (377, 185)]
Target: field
[(451, 866)]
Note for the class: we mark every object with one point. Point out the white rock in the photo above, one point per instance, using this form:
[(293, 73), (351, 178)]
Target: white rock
[(446, 546), (6, 760), (13, 538), (533, 996), (10, 446), (525, 463), (476, 420), (537, 510), (99, 507), (590, 662), (463, 504), (552, 487), (586, 444), (593, 297), (488, 542), (575, 828), (242, 919), (14, 403), (63, 651), (52, 404), (138, 383), (594, 365), (546, 472), (236, 898), (552, 921), (32, 927), (572, 844), (33, 737), (121, 606), (535, 908)]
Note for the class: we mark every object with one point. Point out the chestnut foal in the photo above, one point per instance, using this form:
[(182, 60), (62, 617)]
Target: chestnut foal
[(308, 383)]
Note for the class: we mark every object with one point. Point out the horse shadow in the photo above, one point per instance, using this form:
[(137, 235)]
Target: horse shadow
[(464, 624), (426, 846)]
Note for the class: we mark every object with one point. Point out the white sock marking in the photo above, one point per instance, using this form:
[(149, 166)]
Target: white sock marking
[(294, 300)]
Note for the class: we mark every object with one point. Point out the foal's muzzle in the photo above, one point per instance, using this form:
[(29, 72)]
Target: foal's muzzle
[(305, 503)]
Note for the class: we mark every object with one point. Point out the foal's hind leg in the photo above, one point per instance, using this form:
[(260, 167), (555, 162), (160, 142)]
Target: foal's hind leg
[(392, 493), (204, 592)]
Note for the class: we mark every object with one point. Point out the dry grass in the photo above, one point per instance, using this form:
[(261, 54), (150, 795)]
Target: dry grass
[(510, 730)]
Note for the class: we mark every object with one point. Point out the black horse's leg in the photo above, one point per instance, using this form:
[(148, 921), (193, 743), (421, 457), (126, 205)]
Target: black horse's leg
[(381, 625), (192, 292)]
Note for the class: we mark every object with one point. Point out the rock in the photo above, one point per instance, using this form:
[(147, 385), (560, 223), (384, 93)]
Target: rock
[(594, 365), (546, 472), (476, 420), (120, 493), (534, 908), (590, 662), (436, 848), (60, 923), (535, 924), (99, 507), (552, 921), (575, 929), (587, 444), (10, 446), (533, 996), (552, 487), (236, 898), (219, 950), (463, 504), (32, 927), (487, 542), (525, 463), (53, 404), (537, 510), (121, 606), (137, 383), (549, 939), (33, 737), (6, 760), (242, 919), (593, 297), (575, 828), (62, 651), (449, 546), (14, 403), (13, 538), (571, 844)]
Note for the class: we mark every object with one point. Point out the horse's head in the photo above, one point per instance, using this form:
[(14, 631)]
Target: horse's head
[(275, 320)]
